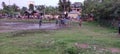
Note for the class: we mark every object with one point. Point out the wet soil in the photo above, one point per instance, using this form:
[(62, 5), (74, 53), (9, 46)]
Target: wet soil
[(16, 26)]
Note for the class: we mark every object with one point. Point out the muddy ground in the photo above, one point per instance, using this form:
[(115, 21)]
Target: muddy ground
[(16, 26)]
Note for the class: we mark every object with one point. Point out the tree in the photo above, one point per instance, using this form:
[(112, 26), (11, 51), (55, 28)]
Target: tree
[(5, 8), (105, 11), (10, 9), (4, 5), (40, 7), (23, 10), (68, 6), (64, 5), (60, 6), (31, 7), (51, 10), (15, 8)]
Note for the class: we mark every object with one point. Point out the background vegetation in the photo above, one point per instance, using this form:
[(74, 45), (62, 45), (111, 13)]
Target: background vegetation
[(106, 12)]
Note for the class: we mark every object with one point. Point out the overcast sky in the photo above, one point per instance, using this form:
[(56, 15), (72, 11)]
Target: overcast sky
[(22, 3)]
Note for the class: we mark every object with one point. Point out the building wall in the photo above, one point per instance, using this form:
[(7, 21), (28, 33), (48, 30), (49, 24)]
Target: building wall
[(73, 15), (76, 10), (77, 7)]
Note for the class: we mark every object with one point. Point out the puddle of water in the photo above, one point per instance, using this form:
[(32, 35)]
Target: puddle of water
[(11, 23), (50, 26)]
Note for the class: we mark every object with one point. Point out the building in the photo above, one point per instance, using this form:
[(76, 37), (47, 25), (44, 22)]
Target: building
[(76, 8)]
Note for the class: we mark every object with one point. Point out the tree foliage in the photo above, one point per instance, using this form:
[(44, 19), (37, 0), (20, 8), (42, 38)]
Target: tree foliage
[(64, 5), (40, 7), (31, 7), (103, 10), (9, 9), (23, 10), (51, 10)]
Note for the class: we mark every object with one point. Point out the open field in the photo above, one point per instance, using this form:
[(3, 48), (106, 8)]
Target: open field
[(89, 39)]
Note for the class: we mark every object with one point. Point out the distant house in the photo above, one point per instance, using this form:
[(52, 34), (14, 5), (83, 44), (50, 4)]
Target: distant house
[(76, 9)]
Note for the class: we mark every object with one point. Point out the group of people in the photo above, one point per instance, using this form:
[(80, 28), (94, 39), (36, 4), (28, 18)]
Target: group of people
[(61, 20), (64, 20)]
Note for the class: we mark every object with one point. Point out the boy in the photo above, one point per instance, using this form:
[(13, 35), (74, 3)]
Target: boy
[(119, 27), (40, 19), (79, 19)]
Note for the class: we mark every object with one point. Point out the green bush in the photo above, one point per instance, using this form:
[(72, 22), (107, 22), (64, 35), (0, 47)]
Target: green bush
[(104, 12), (71, 50)]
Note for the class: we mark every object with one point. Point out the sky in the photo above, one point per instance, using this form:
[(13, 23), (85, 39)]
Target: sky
[(25, 3)]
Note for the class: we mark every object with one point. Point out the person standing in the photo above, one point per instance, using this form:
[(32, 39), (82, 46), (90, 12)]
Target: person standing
[(57, 21), (40, 19), (119, 27), (65, 19), (79, 20)]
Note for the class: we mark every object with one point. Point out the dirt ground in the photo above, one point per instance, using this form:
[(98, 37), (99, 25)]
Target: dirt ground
[(15, 26)]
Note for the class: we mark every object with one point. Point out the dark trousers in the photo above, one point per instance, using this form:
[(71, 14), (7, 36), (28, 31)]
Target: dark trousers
[(62, 22), (57, 21), (119, 30), (40, 22)]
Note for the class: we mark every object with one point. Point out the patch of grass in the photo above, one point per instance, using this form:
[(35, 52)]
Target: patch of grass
[(74, 50), (25, 32)]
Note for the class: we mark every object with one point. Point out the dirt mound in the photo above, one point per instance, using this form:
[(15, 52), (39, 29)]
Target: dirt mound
[(96, 47)]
